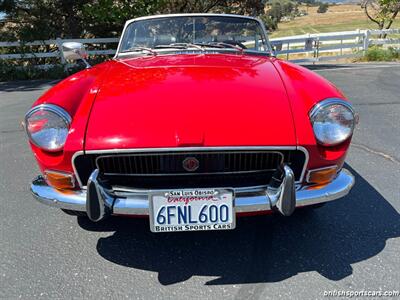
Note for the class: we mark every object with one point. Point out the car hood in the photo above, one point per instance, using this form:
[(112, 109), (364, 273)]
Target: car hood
[(190, 100)]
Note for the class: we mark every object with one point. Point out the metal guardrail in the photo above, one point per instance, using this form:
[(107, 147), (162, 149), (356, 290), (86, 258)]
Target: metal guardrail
[(302, 48)]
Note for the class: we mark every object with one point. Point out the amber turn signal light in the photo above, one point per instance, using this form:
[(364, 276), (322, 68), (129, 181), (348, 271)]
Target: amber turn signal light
[(60, 180), (322, 176)]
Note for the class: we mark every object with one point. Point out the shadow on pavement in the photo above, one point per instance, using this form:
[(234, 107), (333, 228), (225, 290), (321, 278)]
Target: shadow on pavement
[(25, 85), (261, 249), (327, 66)]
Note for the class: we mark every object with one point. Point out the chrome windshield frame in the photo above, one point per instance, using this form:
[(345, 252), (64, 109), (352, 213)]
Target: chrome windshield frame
[(268, 44)]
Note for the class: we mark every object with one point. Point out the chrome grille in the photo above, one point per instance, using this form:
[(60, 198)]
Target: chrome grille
[(159, 164), (164, 169)]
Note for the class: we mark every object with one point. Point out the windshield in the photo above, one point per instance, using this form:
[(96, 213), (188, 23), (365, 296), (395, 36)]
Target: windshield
[(195, 32)]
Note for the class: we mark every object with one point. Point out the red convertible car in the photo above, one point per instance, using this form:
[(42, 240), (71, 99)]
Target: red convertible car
[(193, 122)]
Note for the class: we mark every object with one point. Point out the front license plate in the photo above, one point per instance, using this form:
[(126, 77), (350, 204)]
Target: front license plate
[(192, 210)]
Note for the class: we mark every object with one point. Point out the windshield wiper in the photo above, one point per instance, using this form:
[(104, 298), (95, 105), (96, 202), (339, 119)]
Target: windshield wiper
[(179, 46), (199, 46), (142, 49), (221, 45)]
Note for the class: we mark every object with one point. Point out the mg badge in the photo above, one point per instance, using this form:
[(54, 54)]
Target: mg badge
[(190, 164)]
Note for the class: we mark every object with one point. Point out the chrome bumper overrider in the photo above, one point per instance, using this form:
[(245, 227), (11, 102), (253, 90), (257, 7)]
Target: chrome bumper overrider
[(284, 198)]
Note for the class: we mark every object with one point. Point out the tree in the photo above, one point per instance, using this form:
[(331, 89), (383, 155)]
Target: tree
[(276, 12), (270, 24), (381, 12), (277, 9), (105, 18), (49, 19), (41, 19), (322, 8), (243, 7)]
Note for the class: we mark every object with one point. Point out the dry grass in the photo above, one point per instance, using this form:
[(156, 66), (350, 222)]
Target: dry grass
[(338, 18)]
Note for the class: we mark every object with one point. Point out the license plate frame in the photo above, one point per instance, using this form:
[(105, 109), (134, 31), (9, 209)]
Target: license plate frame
[(194, 200)]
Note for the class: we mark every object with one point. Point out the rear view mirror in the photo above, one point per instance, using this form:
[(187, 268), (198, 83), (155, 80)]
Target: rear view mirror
[(194, 27)]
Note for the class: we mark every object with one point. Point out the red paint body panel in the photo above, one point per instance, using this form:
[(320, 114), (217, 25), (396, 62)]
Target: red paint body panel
[(190, 100), (76, 95), (306, 88), (183, 100)]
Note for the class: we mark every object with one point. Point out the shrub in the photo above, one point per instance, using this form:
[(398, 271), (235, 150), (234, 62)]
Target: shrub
[(24, 70), (376, 53), (10, 71), (322, 8), (270, 23)]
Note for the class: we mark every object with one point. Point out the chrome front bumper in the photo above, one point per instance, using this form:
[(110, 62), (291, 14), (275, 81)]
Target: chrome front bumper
[(246, 200)]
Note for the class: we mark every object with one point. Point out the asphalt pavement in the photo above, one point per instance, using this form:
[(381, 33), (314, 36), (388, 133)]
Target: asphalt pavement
[(352, 244)]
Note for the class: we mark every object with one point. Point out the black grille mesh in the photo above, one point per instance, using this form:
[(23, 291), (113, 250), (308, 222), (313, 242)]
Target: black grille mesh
[(165, 170), (173, 163)]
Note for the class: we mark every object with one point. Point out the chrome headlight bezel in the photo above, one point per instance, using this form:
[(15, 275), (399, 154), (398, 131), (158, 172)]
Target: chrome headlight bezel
[(320, 107), (57, 111)]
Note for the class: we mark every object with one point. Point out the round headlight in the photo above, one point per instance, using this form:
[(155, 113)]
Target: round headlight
[(333, 121), (47, 126)]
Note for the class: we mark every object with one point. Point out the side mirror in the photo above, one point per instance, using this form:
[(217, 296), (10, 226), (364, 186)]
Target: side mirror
[(75, 51)]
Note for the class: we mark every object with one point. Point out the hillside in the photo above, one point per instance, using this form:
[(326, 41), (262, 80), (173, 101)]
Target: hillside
[(338, 18)]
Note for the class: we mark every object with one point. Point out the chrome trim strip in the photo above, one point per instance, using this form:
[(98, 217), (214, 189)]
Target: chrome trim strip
[(183, 149), (210, 150), (191, 51), (53, 108), (76, 154), (170, 52), (137, 203), (327, 102), (122, 191), (189, 174), (189, 15), (305, 151)]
